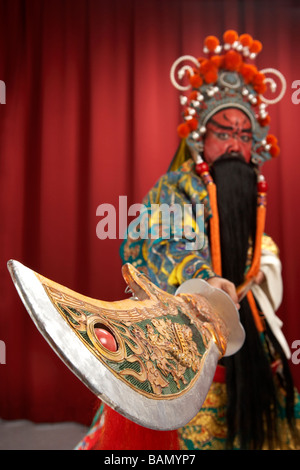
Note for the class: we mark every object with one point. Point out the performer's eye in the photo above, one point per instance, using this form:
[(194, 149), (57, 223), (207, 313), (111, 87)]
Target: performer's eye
[(222, 135), (246, 137)]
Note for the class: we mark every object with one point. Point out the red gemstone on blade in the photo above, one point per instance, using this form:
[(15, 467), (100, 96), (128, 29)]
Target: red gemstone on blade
[(106, 339)]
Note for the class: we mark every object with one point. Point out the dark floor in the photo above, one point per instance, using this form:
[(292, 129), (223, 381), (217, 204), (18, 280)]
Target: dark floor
[(25, 435)]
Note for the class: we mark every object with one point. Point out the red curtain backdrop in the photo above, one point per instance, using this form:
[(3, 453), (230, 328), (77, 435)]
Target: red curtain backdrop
[(91, 115)]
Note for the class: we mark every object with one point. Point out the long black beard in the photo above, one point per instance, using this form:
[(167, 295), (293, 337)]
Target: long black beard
[(252, 404), (237, 195)]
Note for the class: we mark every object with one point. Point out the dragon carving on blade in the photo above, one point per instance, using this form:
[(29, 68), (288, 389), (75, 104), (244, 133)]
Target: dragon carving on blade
[(161, 339)]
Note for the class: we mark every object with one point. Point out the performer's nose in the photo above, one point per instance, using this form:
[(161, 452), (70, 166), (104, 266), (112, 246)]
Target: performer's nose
[(234, 146)]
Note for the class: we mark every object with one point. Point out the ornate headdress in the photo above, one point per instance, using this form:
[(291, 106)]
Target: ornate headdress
[(227, 78)]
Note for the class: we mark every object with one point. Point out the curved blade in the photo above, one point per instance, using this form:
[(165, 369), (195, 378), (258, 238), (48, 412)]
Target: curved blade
[(167, 347)]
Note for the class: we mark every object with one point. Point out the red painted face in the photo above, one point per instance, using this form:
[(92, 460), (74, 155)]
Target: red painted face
[(228, 131)]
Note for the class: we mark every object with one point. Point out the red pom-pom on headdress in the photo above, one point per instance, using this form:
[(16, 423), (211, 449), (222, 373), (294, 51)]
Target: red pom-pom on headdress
[(271, 139), (274, 150), (256, 46), (211, 76), (209, 71), (217, 60), (258, 83), (246, 40), (211, 42), (196, 81), (183, 130), (248, 71), (192, 124), (265, 121), (193, 95), (230, 36), (233, 61), (206, 66)]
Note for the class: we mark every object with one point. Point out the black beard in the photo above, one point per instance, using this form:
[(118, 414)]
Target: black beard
[(251, 396), (249, 405), (236, 195)]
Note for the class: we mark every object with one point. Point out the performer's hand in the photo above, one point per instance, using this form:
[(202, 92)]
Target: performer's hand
[(259, 278), (226, 286)]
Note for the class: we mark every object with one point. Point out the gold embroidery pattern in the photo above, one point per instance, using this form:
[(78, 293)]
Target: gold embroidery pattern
[(161, 344), (208, 429), (269, 245)]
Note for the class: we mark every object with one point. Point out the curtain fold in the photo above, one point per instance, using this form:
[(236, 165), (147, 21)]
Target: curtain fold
[(90, 116)]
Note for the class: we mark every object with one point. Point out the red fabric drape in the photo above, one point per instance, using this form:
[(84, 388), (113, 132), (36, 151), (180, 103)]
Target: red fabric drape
[(133, 436), (90, 115)]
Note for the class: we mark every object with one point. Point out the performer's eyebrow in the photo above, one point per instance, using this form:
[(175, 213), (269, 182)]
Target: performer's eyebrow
[(228, 128), (215, 123), (245, 121)]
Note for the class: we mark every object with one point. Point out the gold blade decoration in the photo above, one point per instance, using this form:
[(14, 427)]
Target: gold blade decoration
[(164, 348)]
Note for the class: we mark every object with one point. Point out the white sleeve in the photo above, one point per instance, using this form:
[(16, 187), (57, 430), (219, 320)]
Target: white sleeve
[(269, 296)]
